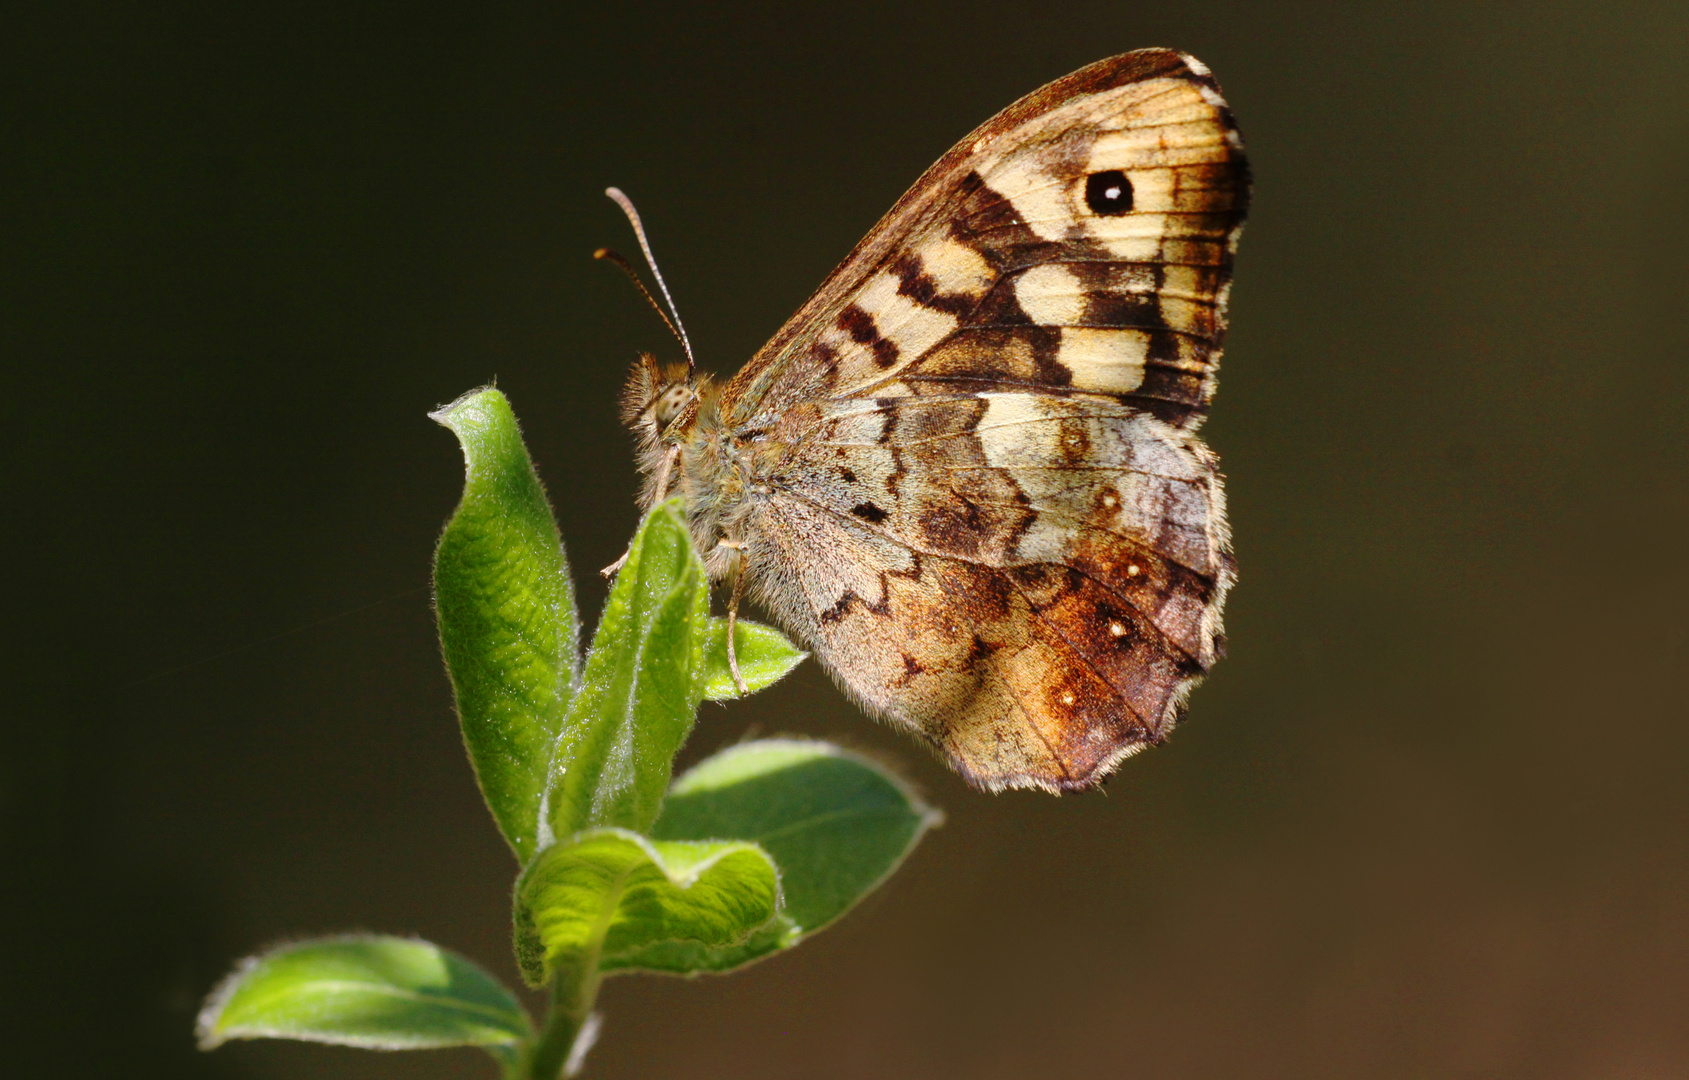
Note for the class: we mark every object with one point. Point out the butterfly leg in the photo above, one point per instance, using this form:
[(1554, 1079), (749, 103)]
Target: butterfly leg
[(658, 490), (733, 613)]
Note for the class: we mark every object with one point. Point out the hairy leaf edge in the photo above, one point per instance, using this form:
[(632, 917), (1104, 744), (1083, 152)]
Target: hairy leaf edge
[(209, 1038)]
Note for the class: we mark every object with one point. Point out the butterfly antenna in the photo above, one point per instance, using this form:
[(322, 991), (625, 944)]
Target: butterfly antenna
[(651, 260), (616, 258)]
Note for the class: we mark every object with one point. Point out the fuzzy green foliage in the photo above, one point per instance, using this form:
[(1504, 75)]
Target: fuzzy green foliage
[(606, 895), (506, 607), (381, 993), (623, 870)]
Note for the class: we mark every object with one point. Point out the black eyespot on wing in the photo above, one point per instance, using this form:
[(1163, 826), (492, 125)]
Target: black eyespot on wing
[(1108, 193)]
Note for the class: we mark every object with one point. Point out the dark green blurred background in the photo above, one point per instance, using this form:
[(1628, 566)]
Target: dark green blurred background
[(1430, 819)]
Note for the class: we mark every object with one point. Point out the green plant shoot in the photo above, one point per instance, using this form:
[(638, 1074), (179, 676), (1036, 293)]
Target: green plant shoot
[(622, 867)]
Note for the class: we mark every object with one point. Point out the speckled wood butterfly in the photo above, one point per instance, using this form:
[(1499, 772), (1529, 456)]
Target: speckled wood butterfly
[(966, 472)]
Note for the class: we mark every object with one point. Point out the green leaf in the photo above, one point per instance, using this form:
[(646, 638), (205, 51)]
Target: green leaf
[(587, 903), (380, 993), (506, 608), (765, 656), (836, 824), (638, 692), (690, 958)]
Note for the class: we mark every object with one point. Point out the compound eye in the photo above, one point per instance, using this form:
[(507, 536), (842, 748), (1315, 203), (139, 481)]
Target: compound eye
[(669, 404)]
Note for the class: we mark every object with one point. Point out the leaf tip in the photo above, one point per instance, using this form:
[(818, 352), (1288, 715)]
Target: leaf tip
[(207, 1025), (451, 416)]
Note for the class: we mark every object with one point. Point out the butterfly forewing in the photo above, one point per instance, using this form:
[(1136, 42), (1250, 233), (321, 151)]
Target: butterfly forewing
[(1006, 262), (973, 484)]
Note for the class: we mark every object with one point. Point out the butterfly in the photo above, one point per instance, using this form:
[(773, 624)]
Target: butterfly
[(966, 473)]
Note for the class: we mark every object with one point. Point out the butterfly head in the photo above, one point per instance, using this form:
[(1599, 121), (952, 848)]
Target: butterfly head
[(660, 400)]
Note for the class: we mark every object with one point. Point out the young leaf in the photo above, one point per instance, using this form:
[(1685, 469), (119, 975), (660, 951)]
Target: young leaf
[(380, 993), (764, 654), (638, 692), (836, 824), (506, 608), (591, 900), (691, 958)]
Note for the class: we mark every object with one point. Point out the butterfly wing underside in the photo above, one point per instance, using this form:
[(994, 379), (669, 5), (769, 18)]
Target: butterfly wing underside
[(980, 498)]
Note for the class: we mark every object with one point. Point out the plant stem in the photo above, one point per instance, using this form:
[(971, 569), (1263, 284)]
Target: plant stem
[(572, 997)]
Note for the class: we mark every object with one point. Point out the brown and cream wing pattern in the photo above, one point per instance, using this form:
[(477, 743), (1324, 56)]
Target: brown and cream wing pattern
[(982, 501), (1029, 581), (1080, 241)]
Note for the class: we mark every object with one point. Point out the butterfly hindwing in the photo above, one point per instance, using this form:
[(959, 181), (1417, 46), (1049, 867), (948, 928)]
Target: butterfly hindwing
[(1027, 580)]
